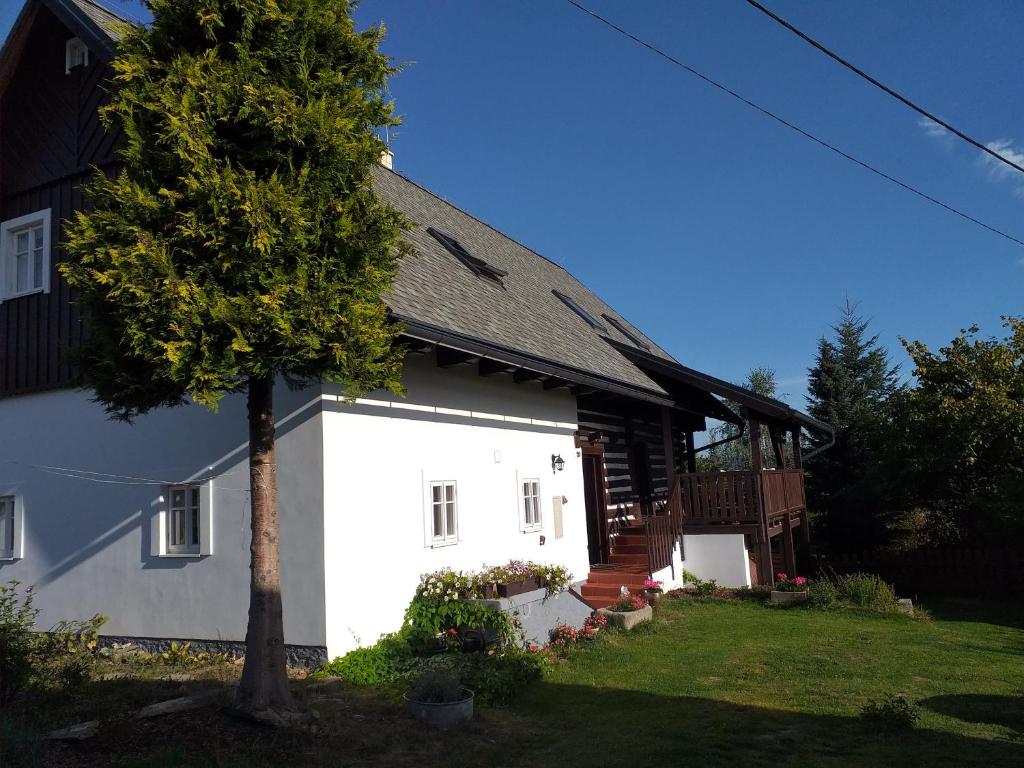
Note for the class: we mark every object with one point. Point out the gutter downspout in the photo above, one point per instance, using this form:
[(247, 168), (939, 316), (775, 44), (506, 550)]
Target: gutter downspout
[(743, 428)]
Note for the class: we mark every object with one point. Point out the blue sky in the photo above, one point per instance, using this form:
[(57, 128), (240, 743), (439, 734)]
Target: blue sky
[(729, 239)]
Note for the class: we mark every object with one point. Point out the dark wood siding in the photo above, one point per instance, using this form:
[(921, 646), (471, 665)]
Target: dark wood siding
[(50, 138), (634, 449)]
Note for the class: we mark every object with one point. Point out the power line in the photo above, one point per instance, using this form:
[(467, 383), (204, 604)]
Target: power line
[(806, 134), (895, 94)]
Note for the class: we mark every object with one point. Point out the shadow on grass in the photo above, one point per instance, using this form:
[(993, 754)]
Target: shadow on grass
[(613, 727), (551, 725), (1003, 613), (1007, 711)]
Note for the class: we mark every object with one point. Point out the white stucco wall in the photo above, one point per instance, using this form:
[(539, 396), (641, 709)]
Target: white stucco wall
[(380, 455), (719, 556), (88, 518)]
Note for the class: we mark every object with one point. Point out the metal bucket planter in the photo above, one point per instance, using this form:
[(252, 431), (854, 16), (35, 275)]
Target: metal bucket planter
[(789, 598), (444, 716), (653, 596)]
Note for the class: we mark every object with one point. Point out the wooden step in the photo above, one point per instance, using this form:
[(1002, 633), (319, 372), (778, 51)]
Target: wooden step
[(618, 577), (629, 539), (629, 549), (601, 590), (629, 559), (600, 602)]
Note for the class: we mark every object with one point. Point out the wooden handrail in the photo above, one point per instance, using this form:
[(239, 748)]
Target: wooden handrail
[(740, 496)]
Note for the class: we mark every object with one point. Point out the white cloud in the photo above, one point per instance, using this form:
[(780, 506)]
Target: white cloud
[(932, 128), (999, 171)]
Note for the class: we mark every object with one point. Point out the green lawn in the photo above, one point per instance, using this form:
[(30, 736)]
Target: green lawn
[(741, 683), (708, 684)]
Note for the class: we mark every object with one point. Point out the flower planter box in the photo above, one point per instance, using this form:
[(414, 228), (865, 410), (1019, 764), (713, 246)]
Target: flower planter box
[(513, 588), (627, 619), (442, 716), (789, 598)]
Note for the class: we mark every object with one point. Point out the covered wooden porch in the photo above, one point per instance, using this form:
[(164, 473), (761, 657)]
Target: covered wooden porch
[(655, 459)]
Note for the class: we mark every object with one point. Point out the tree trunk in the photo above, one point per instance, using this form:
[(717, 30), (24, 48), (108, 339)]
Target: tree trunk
[(264, 683)]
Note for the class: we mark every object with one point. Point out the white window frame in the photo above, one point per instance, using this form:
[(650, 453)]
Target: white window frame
[(72, 48), (531, 516), (9, 230), (12, 511), (450, 533), (198, 521)]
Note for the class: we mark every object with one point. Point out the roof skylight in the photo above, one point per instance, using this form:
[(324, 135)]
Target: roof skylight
[(478, 266), (571, 304), (621, 328)]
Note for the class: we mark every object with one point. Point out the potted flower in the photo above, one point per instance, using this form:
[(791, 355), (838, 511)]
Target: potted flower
[(653, 591), (440, 700), (788, 591), (628, 611)]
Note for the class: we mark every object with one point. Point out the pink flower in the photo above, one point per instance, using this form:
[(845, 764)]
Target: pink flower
[(453, 631), (800, 581), (781, 576), (534, 648)]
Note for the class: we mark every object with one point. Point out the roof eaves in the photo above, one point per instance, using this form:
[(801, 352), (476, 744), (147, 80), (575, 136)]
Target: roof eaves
[(437, 335)]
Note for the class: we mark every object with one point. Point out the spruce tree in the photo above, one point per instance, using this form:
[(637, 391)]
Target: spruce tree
[(735, 455), (241, 241), (850, 387)]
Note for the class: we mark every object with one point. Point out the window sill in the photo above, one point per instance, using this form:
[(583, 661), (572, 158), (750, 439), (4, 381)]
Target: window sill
[(193, 555), (448, 543), (22, 294), (532, 529), (8, 558)]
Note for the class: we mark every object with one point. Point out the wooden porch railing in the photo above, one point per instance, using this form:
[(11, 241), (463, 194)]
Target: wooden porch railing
[(741, 497), (721, 498)]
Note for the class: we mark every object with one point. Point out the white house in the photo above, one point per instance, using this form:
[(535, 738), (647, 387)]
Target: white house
[(539, 424)]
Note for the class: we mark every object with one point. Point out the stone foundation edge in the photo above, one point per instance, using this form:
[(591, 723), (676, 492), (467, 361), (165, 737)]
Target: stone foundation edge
[(308, 656)]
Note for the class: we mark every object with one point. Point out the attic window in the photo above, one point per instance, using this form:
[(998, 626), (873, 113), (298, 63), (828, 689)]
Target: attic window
[(621, 328), (75, 55), (478, 266), (571, 304)]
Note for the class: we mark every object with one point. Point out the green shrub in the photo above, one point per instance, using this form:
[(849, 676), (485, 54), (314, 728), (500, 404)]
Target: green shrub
[(857, 590), (17, 618), (894, 713)]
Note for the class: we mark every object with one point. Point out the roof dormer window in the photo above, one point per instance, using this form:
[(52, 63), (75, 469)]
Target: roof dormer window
[(75, 55), (571, 304), (477, 266)]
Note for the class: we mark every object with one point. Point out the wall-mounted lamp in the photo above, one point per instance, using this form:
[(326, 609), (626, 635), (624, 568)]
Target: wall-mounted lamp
[(557, 463)]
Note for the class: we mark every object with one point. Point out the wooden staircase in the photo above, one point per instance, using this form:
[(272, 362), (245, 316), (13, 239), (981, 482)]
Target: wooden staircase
[(628, 568)]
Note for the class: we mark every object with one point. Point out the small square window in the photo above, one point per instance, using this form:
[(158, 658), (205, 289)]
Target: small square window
[(185, 524), (530, 506), (76, 54), (25, 255), (444, 512)]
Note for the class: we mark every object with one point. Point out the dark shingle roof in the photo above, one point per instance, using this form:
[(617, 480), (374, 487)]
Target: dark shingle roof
[(102, 17), (521, 313)]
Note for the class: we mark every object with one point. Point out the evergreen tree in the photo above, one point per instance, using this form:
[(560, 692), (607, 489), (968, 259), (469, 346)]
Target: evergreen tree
[(850, 485), (241, 241)]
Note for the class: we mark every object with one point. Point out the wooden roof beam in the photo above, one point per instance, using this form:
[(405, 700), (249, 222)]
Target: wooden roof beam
[(525, 374), (448, 358), (490, 367)]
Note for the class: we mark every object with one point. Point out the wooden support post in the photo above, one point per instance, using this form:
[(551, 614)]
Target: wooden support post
[(691, 456), (756, 460), (778, 439), (798, 458), (666, 437), (788, 550)]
